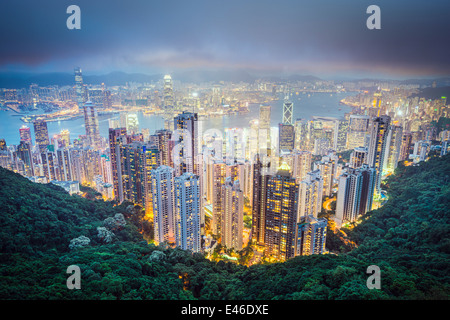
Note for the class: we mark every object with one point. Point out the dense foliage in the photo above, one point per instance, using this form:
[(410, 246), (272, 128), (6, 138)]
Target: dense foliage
[(408, 239)]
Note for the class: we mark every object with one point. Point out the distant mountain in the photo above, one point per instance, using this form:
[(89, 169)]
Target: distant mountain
[(433, 93)]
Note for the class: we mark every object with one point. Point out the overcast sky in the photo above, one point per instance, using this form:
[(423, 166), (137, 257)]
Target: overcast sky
[(318, 37)]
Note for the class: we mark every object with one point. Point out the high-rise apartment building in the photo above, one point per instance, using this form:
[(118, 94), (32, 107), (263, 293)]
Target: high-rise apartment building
[(232, 218), (185, 137), (91, 125), (187, 211), (310, 194), (355, 193), (41, 134)]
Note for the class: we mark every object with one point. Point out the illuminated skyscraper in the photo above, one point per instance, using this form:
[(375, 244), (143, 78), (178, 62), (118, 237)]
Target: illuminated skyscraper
[(340, 135), (164, 143), (288, 111), (187, 209), (163, 204), (264, 134), (24, 154), (91, 125), (41, 134), (25, 134), (327, 167), (64, 164), (310, 194), (232, 219), (281, 215), (132, 123), (355, 193), (218, 175), (260, 179), (286, 138), (358, 128), (311, 236), (358, 157), (393, 148), (65, 137), (79, 87), (117, 137), (186, 143), (377, 148), (169, 101), (406, 146)]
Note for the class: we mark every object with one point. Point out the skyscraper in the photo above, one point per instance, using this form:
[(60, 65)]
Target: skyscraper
[(281, 215), (163, 204), (41, 134), (117, 137), (169, 101), (358, 157), (340, 135), (355, 193), (264, 134), (358, 128), (286, 138), (232, 219), (377, 147), (25, 134), (187, 212), (258, 202), (327, 167), (24, 154), (311, 236), (165, 144), (406, 146), (186, 143), (79, 87), (393, 148), (91, 125), (310, 194), (288, 111)]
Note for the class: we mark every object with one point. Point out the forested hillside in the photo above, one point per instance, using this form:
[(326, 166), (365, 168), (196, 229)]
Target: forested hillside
[(44, 230)]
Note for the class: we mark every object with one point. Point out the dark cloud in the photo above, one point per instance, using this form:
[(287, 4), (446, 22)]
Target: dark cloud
[(314, 36)]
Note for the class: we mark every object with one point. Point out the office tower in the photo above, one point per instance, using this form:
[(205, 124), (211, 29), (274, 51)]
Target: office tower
[(393, 148), (163, 204), (132, 123), (164, 143), (327, 167), (24, 154), (310, 194), (281, 215), (406, 146), (233, 214), (286, 138), (117, 137), (41, 134), (64, 164), (288, 111), (187, 212), (355, 193), (377, 148), (186, 143), (311, 236), (79, 87), (218, 175), (264, 133), (25, 134), (91, 125), (65, 137), (169, 101), (340, 135), (358, 157), (358, 128), (260, 179)]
